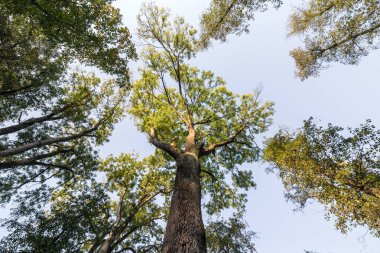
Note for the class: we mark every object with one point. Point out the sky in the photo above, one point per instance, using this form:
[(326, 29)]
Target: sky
[(343, 95)]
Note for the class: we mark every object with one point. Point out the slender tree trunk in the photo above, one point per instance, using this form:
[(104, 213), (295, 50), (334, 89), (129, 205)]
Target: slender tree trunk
[(185, 232)]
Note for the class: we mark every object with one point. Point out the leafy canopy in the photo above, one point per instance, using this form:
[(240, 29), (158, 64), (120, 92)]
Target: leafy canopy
[(82, 215), (184, 109), (51, 116), (231, 235), (334, 31), (226, 17), (338, 169)]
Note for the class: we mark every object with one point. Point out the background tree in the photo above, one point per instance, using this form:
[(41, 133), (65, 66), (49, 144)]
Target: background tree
[(119, 215), (201, 126), (334, 31), (338, 169), (51, 117)]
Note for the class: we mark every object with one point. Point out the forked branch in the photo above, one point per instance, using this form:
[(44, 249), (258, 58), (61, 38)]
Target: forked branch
[(166, 147)]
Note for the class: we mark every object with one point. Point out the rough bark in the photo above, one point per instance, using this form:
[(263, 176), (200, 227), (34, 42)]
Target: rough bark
[(185, 231)]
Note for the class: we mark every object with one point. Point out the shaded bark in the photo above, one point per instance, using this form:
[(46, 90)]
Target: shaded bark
[(185, 231), (107, 244)]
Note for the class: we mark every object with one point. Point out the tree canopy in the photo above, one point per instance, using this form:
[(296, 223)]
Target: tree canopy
[(230, 235), (226, 17), (121, 214), (52, 114), (334, 31), (339, 169), (331, 30), (174, 102)]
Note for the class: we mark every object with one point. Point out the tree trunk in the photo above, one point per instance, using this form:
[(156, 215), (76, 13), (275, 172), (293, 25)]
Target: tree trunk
[(106, 246), (185, 232)]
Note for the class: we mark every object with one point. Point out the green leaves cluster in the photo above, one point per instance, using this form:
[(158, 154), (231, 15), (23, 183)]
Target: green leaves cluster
[(336, 168), (89, 31), (231, 235), (334, 31), (226, 17), (129, 207), (52, 116)]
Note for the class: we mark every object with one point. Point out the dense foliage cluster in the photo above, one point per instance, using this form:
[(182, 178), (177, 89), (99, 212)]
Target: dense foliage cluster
[(50, 114), (336, 168), (334, 31), (226, 17)]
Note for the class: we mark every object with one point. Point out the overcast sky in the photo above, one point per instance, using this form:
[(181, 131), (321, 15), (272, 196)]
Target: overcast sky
[(342, 95)]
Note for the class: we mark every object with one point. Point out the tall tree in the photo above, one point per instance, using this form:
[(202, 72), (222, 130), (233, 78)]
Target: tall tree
[(338, 169), (334, 31), (200, 125), (51, 115)]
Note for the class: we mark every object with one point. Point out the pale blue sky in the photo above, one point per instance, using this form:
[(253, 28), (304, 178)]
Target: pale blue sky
[(343, 95)]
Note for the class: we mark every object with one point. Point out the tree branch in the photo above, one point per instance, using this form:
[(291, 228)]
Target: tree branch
[(211, 148), (42, 143), (172, 151), (31, 160), (32, 121)]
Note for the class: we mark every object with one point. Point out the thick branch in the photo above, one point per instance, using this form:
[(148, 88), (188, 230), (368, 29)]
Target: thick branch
[(42, 143), (349, 38), (31, 160), (172, 151), (30, 122), (12, 91), (50, 141)]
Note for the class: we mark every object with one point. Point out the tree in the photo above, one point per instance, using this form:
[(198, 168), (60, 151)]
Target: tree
[(83, 217), (334, 31), (337, 169), (51, 115), (226, 17), (200, 125)]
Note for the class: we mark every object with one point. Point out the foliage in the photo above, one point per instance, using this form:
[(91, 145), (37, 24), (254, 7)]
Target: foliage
[(51, 116), (184, 109), (46, 32), (73, 221), (338, 169), (84, 214), (334, 31), (230, 236), (226, 17), (59, 144)]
